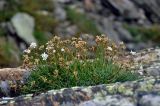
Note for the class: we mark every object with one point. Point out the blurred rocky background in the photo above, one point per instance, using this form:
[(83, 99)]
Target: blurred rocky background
[(135, 22)]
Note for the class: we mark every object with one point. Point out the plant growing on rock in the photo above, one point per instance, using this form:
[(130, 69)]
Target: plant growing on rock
[(72, 62)]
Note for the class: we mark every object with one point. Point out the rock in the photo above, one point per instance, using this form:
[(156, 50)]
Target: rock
[(59, 12), (151, 8), (24, 26), (124, 34), (66, 30), (88, 5), (106, 26), (4, 85), (65, 1), (89, 103), (125, 8), (2, 4), (88, 38), (150, 100), (143, 92), (136, 46), (11, 79), (71, 30), (12, 74)]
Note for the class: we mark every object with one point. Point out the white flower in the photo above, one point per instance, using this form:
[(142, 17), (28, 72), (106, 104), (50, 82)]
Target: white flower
[(140, 72), (33, 45), (44, 56), (62, 50), (54, 51), (27, 51), (109, 48), (133, 53)]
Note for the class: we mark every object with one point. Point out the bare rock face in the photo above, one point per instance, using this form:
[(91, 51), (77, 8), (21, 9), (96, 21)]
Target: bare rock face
[(151, 8), (11, 73), (127, 9)]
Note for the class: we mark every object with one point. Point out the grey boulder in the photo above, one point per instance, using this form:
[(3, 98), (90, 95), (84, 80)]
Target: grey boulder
[(24, 26)]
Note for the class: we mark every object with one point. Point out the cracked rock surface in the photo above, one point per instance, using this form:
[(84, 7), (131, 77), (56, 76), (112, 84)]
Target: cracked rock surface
[(144, 92)]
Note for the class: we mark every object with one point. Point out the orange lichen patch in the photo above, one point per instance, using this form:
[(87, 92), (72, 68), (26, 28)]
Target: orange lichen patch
[(11, 73)]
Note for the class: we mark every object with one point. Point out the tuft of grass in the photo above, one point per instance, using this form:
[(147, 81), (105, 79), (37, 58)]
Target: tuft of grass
[(40, 36), (86, 73), (68, 64), (84, 24)]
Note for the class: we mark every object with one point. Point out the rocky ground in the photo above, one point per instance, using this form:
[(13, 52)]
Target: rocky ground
[(144, 92), (138, 93), (121, 20), (132, 21)]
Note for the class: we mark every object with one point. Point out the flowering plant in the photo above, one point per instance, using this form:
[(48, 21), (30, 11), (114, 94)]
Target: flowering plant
[(73, 62)]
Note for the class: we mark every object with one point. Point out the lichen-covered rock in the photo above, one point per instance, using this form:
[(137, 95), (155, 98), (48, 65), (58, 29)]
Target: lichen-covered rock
[(144, 92)]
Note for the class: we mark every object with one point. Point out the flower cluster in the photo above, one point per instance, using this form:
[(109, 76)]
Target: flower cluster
[(75, 62), (63, 52)]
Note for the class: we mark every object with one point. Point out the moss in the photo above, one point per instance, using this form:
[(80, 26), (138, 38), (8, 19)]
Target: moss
[(10, 9), (144, 33), (36, 5), (2, 32), (45, 23), (147, 86), (84, 24), (124, 90), (40, 36)]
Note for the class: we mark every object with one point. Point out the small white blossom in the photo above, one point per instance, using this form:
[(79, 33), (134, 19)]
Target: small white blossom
[(54, 51), (62, 50), (140, 72), (33, 45), (27, 51), (109, 48), (44, 56), (133, 53)]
